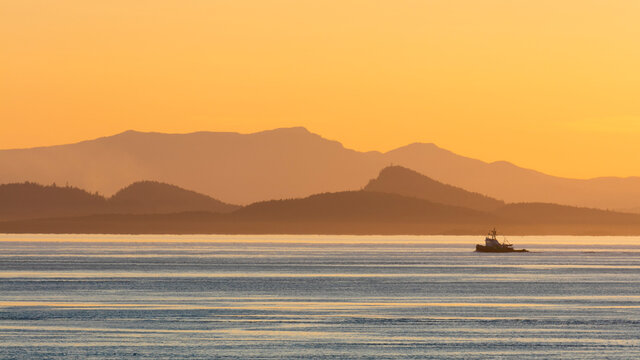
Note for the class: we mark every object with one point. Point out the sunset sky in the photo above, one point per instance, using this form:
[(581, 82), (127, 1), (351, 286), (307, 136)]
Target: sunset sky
[(550, 85)]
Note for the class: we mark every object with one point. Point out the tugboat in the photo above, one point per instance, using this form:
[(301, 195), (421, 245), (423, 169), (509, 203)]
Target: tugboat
[(491, 244)]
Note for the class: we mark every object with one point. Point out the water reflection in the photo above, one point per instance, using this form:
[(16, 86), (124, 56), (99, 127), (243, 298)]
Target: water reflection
[(317, 297)]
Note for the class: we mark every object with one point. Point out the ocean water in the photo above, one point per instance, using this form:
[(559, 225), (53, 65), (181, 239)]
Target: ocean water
[(303, 297)]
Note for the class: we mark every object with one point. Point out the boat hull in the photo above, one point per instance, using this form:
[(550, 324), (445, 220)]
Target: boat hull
[(481, 248)]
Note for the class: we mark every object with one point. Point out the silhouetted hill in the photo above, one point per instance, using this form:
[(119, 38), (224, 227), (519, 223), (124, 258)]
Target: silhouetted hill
[(151, 197), (354, 206), (287, 163), (29, 200), (403, 181)]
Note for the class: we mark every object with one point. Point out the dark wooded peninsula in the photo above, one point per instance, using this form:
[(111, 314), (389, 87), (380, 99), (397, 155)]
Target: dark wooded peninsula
[(397, 201)]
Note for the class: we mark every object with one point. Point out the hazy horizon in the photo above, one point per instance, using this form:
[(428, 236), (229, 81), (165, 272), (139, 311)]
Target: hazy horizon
[(516, 163), (548, 85)]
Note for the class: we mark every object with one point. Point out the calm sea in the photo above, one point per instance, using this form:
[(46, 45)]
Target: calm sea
[(274, 297)]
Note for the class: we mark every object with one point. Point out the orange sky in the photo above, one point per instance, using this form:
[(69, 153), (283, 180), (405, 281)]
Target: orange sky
[(551, 85)]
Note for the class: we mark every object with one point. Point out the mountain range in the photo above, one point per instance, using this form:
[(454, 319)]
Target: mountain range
[(291, 163), (397, 201)]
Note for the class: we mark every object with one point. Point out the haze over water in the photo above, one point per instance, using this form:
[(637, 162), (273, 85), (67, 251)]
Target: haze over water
[(317, 297)]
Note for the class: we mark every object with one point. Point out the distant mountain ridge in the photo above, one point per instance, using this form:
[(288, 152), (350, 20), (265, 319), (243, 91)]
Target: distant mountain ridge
[(289, 163)]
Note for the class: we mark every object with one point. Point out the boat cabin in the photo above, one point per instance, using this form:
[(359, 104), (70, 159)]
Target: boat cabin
[(491, 242)]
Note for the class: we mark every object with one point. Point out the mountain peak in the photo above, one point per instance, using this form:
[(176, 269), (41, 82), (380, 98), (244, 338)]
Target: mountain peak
[(295, 130), (402, 181), (129, 132), (155, 196), (421, 149)]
